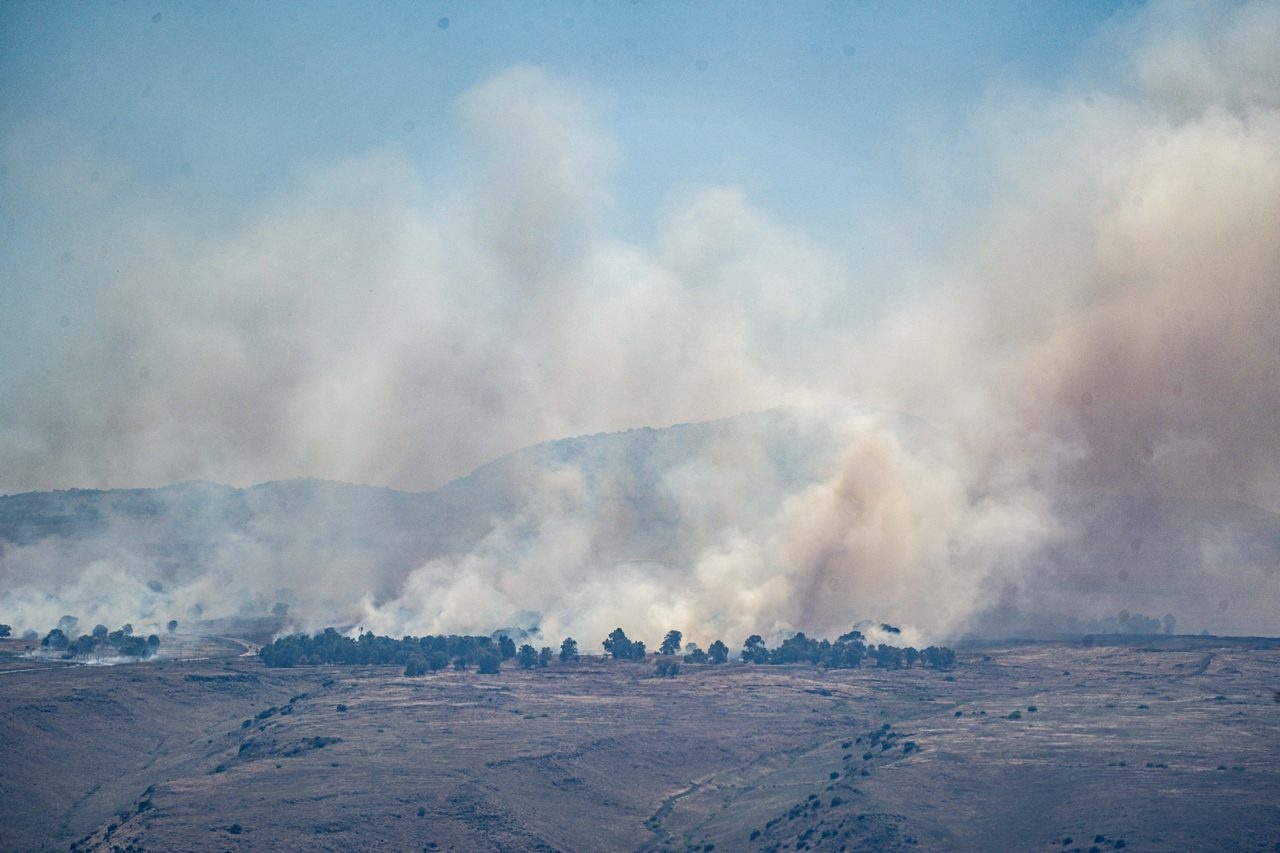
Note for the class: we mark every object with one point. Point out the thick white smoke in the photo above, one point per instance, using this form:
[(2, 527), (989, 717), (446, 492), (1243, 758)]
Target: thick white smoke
[(1107, 327)]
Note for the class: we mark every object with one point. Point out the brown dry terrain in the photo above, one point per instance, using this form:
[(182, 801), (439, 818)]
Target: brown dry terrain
[(1164, 747)]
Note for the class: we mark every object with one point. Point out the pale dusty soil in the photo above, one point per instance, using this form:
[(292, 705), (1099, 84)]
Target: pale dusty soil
[(1170, 749)]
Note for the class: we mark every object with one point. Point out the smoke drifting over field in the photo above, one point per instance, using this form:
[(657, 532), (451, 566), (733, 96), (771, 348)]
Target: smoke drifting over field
[(1109, 325)]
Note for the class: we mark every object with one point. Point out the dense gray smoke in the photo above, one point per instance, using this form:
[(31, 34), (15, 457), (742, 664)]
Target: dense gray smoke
[(1097, 359), (1112, 333)]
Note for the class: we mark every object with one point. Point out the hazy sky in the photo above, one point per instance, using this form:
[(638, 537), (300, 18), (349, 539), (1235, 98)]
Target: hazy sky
[(806, 103)]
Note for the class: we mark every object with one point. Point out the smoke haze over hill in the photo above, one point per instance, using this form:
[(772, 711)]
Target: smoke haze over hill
[(1103, 330)]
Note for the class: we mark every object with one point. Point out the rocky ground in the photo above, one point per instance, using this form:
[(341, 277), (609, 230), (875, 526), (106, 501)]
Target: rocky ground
[(1166, 746)]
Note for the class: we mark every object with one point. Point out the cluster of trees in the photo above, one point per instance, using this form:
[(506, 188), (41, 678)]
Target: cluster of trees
[(418, 655), (528, 657), (421, 655), (619, 647), (101, 642), (717, 652), (848, 651)]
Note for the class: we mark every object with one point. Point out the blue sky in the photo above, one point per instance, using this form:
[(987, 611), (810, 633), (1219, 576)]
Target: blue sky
[(805, 104)]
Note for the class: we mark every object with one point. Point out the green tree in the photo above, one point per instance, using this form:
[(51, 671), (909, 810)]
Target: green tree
[(888, 657), (637, 650), (671, 643), (55, 639), (527, 657), (506, 647), (718, 652), (569, 650), (754, 650), (940, 657), (5, 630), (617, 646), (416, 665), (172, 626), (488, 663), (666, 668), (545, 655), (797, 649), (846, 654)]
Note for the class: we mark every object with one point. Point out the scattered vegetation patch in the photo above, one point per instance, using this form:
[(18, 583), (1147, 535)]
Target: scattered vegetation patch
[(310, 744), (101, 643), (666, 667), (222, 678)]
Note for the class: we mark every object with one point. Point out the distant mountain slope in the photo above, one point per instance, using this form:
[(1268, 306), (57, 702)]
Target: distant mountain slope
[(278, 538), (179, 528), (656, 492), (635, 504)]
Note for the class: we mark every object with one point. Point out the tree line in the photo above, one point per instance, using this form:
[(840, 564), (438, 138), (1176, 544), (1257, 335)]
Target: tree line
[(435, 652), (432, 653), (848, 651)]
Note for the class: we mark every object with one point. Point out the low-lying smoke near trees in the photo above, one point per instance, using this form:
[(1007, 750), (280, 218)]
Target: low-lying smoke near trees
[(1077, 412)]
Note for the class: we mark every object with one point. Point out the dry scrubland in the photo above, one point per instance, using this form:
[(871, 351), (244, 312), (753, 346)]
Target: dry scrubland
[(1157, 748)]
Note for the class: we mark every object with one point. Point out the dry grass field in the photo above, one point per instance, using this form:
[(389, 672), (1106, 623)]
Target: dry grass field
[(1165, 746)]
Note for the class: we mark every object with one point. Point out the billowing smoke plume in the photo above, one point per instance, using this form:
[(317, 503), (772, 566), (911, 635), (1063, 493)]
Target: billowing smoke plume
[(1097, 361)]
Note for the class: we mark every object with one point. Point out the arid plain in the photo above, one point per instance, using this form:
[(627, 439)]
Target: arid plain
[(1165, 744)]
